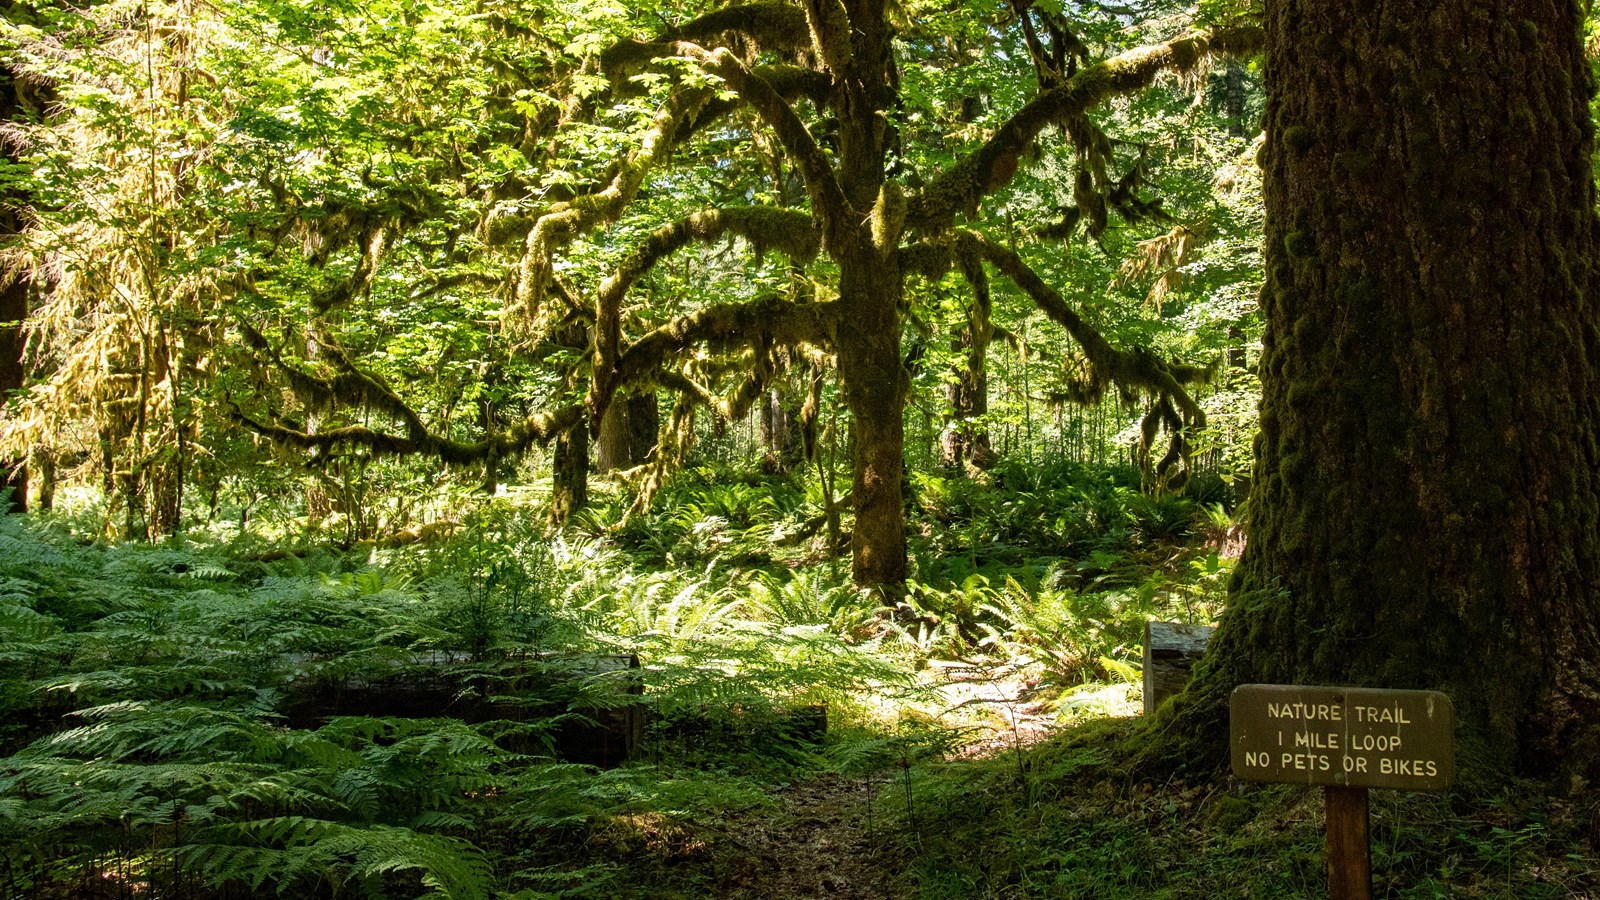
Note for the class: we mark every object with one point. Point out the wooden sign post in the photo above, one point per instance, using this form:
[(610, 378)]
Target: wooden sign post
[(1348, 740)]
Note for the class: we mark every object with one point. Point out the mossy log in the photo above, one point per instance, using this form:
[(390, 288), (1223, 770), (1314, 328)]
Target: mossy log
[(594, 698)]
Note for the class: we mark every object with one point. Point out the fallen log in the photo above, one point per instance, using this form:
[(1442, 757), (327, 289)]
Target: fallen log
[(591, 700)]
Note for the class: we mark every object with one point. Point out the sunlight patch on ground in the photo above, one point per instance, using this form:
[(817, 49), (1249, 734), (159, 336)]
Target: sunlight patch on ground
[(1112, 701), (999, 707)]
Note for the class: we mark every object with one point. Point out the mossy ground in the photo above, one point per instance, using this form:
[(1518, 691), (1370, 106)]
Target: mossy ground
[(1070, 826)]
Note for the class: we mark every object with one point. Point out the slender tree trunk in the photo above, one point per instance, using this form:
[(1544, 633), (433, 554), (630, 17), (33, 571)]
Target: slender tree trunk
[(966, 438), (781, 439), (570, 473), (489, 420), (1233, 84), (164, 465), (1427, 490), (611, 446), (13, 310), (644, 427), (319, 502), (43, 461), (569, 459)]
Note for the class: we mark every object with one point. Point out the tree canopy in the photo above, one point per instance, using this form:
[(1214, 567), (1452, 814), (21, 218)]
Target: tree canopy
[(450, 230)]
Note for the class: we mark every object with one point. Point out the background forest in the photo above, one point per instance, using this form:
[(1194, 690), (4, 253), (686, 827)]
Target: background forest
[(470, 451)]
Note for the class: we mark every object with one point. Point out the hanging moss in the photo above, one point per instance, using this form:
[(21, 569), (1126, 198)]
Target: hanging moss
[(964, 184)]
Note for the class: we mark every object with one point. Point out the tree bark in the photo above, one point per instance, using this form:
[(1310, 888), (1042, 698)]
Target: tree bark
[(644, 427), (966, 441), (611, 445), (43, 461), (1426, 501), (13, 309), (569, 458), (570, 474), (875, 390), (780, 433), (1233, 83), (865, 87)]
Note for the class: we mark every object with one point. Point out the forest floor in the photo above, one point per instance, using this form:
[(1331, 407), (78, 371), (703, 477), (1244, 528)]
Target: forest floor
[(823, 841), (831, 835)]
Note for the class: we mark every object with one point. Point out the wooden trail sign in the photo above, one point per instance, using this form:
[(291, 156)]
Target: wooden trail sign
[(1347, 740), (1351, 737)]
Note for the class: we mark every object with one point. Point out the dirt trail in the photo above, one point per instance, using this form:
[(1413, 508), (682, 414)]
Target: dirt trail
[(829, 837)]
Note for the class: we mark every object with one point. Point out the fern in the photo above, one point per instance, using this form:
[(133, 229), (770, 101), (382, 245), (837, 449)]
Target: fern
[(295, 852)]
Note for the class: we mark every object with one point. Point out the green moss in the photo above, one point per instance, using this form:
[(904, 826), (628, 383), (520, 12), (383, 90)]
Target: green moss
[(1528, 29), (1300, 394), (1184, 55), (888, 217), (1360, 293), (1357, 162), (1298, 138), (1300, 245), (1294, 467)]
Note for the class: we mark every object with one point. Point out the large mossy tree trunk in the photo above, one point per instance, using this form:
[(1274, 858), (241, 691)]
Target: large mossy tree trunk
[(1427, 491)]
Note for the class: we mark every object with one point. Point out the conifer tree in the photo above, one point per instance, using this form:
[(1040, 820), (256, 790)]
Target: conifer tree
[(1426, 498)]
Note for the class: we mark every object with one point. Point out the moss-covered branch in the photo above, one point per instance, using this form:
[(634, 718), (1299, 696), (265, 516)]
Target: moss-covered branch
[(1130, 370), (791, 232), (565, 222), (795, 82), (522, 435), (827, 197), (990, 167), (766, 321), (772, 26), (372, 244), (830, 27), (349, 387)]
